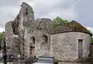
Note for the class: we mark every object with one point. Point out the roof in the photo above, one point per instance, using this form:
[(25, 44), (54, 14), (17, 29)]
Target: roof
[(72, 26)]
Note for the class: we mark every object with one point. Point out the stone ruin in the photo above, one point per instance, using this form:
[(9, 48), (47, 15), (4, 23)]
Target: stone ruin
[(25, 36)]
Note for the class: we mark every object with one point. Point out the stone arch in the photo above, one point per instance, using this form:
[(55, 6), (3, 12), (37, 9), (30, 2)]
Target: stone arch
[(44, 45), (44, 39)]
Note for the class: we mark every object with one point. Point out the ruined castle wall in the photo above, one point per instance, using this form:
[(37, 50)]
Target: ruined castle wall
[(12, 40), (26, 14), (39, 30), (65, 46), (8, 33), (8, 29), (40, 49)]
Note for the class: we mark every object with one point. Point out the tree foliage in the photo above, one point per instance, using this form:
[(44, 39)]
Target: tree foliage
[(90, 31), (59, 20), (1, 35), (92, 36), (92, 40)]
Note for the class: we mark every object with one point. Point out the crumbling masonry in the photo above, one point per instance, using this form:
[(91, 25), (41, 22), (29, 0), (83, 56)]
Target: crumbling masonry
[(28, 37)]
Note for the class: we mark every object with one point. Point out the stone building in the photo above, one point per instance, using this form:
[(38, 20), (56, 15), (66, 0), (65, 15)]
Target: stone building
[(28, 37)]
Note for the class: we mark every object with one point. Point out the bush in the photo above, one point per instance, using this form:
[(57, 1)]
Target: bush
[(58, 21), (1, 35)]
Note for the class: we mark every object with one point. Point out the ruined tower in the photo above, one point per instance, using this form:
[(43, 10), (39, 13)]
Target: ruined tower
[(15, 31)]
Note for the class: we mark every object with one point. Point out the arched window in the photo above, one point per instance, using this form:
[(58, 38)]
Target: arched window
[(44, 38), (33, 39)]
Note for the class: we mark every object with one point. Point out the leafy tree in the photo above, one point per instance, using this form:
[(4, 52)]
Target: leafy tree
[(92, 36), (90, 31), (59, 20), (92, 40), (1, 34)]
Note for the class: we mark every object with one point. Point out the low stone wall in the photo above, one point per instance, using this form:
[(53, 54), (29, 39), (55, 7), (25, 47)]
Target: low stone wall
[(7, 63), (74, 63)]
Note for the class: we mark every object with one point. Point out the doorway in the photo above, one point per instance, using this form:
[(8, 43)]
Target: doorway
[(80, 48), (32, 51)]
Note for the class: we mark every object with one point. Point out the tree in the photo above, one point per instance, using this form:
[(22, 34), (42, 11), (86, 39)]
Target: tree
[(92, 36), (90, 31), (1, 35), (58, 20), (92, 40)]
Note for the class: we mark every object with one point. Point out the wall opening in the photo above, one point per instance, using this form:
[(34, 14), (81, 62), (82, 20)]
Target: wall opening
[(32, 46), (33, 40), (26, 11), (80, 48), (15, 26), (44, 45), (45, 39), (32, 51)]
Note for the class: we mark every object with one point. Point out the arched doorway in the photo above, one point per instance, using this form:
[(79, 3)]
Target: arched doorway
[(44, 44), (44, 39)]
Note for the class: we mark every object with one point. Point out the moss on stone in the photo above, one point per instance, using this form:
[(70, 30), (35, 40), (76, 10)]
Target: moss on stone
[(72, 26)]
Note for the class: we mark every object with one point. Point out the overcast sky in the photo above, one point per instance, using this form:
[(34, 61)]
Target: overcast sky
[(79, 10)]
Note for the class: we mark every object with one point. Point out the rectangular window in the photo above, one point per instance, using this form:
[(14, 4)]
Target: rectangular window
[(80, 43)]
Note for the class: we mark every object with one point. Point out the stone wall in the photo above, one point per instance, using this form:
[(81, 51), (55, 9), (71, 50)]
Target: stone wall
[(14, 30), (8, 29), (38, 43), (19, 33), (65, 45), (12, 40), (37, 29), (74, 63)]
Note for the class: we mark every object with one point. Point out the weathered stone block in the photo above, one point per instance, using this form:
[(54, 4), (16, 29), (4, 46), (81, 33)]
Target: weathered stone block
[(8, 29)]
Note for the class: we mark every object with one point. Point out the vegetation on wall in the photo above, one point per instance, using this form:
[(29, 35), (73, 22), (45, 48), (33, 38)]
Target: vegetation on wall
[(59, 26), (1, 35), (92, 40), (58, 21)]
